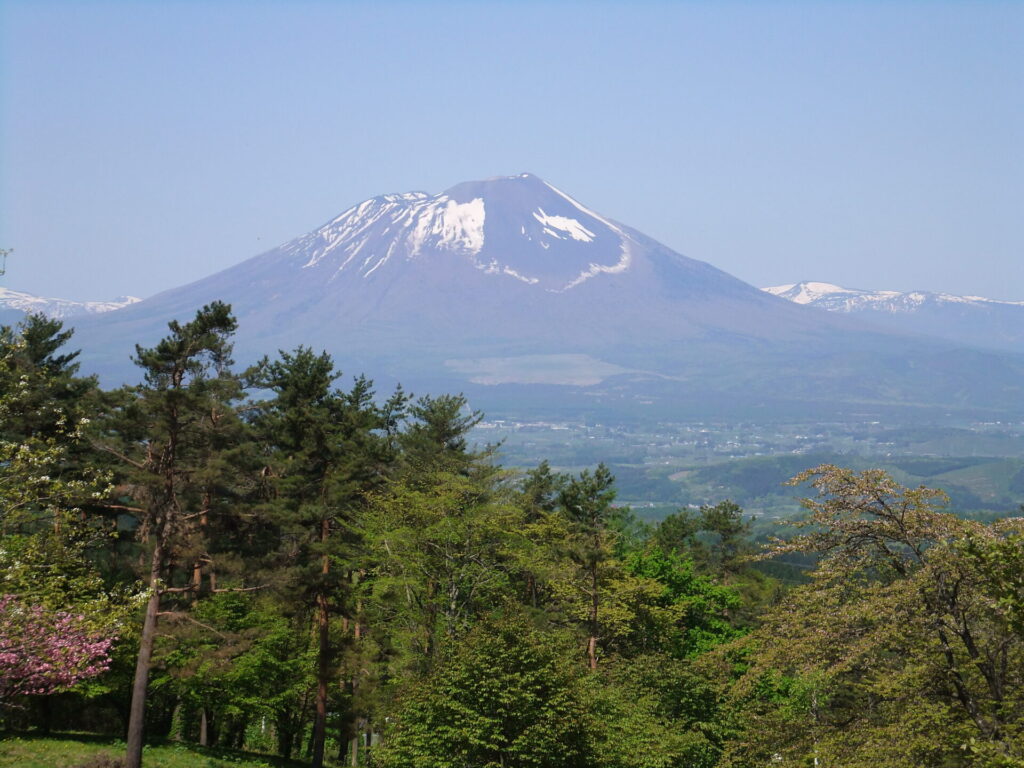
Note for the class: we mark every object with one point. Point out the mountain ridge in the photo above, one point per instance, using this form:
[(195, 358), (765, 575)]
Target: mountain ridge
[(16, 304), (975, 320)]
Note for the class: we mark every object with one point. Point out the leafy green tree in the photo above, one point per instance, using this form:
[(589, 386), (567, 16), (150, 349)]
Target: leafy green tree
[(678, 532), (543, 531), (901, 649), (52, 399), (685, 614), (41, 430), (504, 695), (240, 661), (441, 550), (652, 711)]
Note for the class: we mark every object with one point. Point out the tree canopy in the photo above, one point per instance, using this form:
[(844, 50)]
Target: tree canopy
[(285, 561)]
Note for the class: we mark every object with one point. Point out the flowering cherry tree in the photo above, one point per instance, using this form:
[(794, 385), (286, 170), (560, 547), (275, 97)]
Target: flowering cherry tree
[(44, 651)]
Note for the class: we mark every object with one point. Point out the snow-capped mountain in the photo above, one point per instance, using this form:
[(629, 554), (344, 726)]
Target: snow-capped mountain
[(510, 281), (15, 304), (484, 266), (971, 320), (515, 246)]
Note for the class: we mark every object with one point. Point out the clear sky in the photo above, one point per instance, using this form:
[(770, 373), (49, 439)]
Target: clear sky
[(875, 145)]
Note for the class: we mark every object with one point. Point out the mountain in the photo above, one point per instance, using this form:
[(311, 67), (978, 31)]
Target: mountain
[(512, 290), (14, 305), (972, 320)]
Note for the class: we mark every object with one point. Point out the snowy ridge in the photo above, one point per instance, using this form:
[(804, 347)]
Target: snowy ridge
[(422, 220), (517, 227), (59, 309), (419, 221), (838, 299)]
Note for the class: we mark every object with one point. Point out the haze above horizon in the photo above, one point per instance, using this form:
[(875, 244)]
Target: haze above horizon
[(144, 146)]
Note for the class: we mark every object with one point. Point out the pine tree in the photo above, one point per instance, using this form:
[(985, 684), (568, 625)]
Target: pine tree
[(325, 450), (587, 504), (166, 434)]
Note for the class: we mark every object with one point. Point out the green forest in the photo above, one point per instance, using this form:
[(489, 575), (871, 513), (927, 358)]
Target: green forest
[(281, 566)]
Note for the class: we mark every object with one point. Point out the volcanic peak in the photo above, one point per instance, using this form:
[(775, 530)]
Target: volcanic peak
[(518, 227)]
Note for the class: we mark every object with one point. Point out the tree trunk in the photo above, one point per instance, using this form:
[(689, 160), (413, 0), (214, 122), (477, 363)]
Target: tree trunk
[(238, 734), (323, 654), (176, 719), (592, 640), (285, 737), (204, 730), (137, 716), (197, 566)]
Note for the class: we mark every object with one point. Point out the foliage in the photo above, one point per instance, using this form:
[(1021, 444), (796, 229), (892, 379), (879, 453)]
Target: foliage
[(904, 645), (39, 433), (652, 712), (238, 658), (686, 614), (342, 576), (441, 556), (43, 651), (504, 695)]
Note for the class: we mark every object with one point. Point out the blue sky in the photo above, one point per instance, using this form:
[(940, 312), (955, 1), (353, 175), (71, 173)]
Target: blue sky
[(874, 144)]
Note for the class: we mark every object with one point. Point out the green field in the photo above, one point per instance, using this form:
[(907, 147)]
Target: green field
[(74, 751), (977, 486)]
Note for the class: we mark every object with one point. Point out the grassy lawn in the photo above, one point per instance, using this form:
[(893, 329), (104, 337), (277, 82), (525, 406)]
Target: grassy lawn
[(23, 751)]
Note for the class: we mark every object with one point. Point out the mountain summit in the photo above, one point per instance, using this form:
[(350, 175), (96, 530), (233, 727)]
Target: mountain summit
[(503, 226), (510, 281), (513, 228)]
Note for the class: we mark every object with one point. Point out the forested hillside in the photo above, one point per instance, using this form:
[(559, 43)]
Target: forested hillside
[(286, 562)]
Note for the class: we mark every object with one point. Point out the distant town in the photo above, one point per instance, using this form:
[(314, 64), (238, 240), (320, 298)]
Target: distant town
[(662, 467)]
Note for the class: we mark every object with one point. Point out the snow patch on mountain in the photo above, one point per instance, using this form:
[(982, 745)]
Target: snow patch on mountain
[(596, 269), (460, 226), (59, 309), (568, 226), (838, 299), (512, 273)]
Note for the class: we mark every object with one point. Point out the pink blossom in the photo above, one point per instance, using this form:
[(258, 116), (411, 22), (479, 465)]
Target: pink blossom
[(44, 651)]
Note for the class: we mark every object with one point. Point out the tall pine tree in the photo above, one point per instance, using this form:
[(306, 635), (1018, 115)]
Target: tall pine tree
[(325, 450), (165, 435)]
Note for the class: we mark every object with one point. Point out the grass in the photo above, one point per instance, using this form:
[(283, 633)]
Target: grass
[(68, 751)]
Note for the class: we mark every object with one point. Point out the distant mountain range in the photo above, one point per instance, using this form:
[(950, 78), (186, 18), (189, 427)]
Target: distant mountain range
[(16, 304), (972, 320), (511, 290)]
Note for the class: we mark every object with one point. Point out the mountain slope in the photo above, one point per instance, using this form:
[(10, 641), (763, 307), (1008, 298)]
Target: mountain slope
[(973, 320), (511, 282)]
